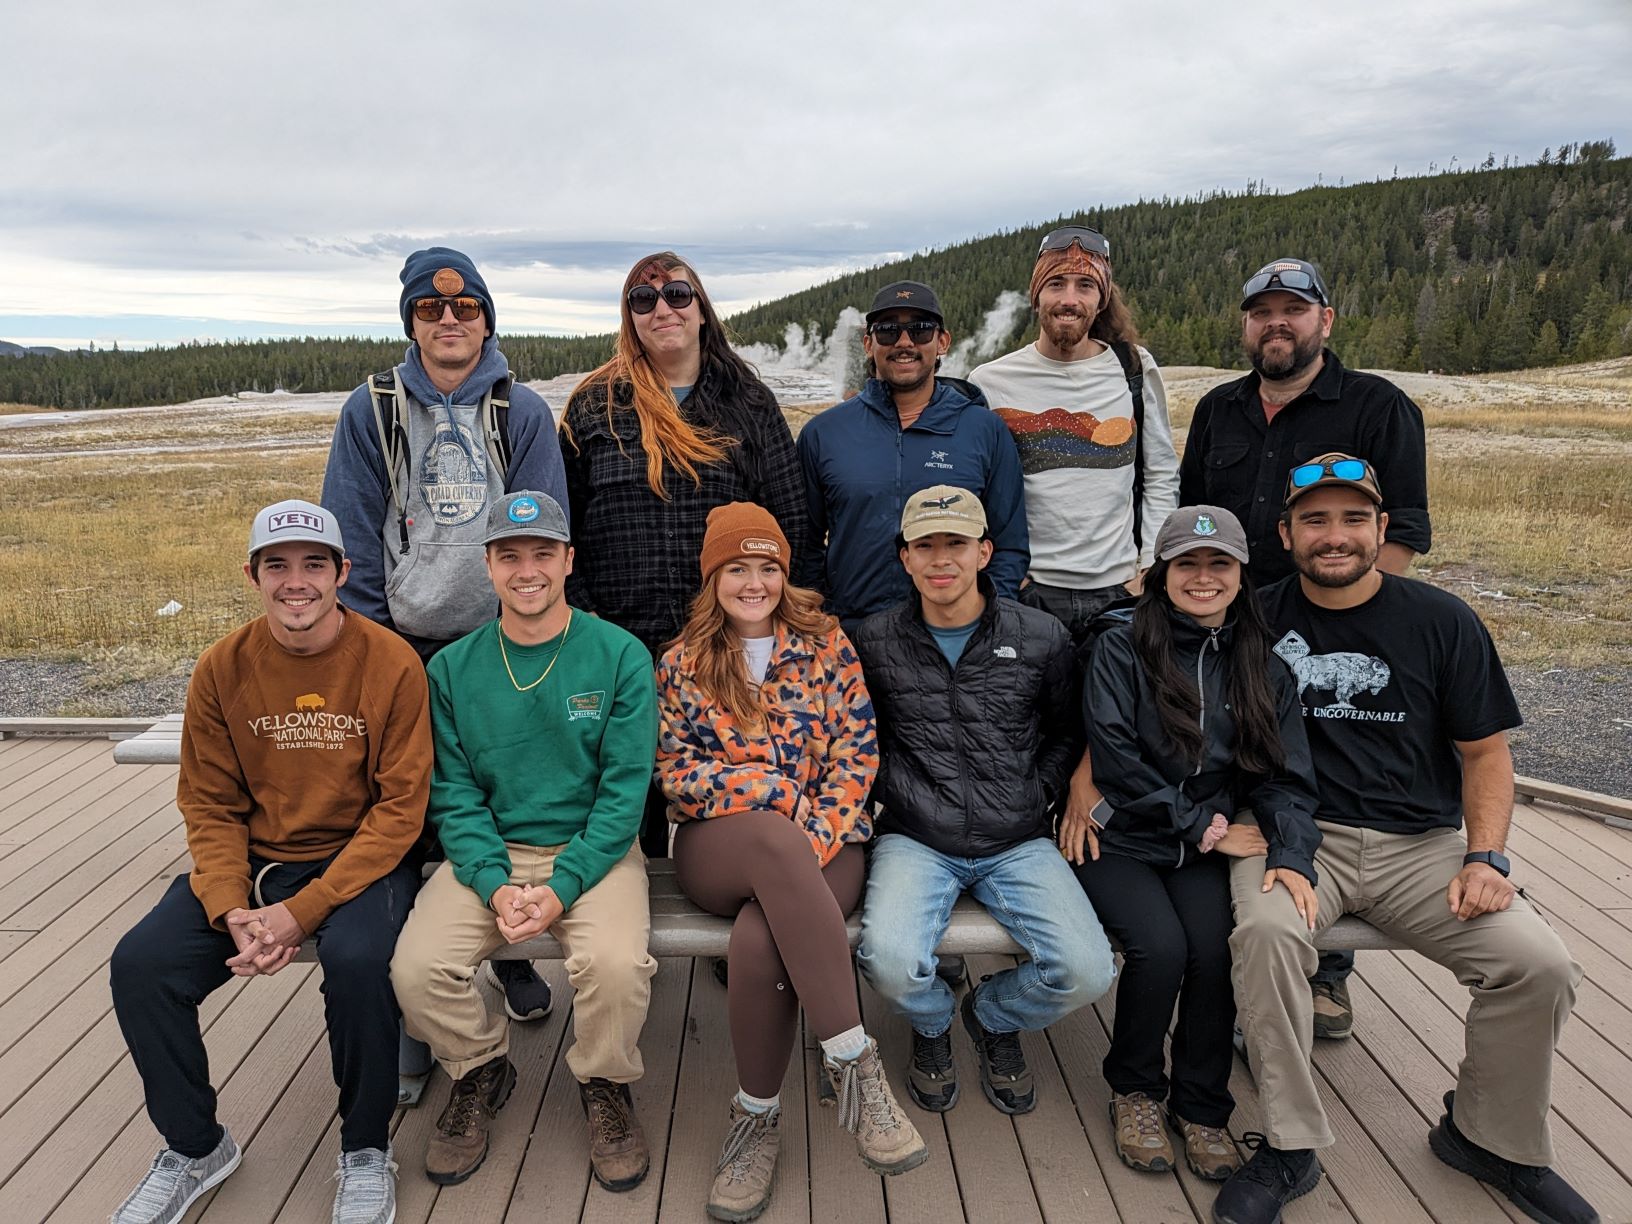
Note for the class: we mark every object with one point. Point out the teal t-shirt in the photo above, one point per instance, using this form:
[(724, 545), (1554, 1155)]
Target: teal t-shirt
[(566, 763), (952, 641)]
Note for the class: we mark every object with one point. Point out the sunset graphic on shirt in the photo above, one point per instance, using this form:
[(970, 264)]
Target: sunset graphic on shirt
[(1056, 438)]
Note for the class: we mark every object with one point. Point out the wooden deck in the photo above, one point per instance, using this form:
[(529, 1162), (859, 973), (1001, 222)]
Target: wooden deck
[(87, 846)]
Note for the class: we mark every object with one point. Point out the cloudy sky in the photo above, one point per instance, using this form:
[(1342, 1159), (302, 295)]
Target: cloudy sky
[(205, 170)]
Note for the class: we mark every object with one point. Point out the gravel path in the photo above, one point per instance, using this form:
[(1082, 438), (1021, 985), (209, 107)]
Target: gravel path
[(1577, 732)]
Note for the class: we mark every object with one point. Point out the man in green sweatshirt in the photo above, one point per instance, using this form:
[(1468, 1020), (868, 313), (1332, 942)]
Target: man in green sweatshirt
[(545, 723)]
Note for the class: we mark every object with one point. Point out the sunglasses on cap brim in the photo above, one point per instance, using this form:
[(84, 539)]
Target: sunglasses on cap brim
[(1088, 239), (677, 293), (1307, 474), (1293, 278), (465, 309)]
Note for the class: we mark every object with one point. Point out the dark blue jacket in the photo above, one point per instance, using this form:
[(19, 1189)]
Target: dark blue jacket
[(860, 467)]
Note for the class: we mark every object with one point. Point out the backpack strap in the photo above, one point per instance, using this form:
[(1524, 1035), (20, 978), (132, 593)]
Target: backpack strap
[(1134, 371), (385, 392), (495, 418)]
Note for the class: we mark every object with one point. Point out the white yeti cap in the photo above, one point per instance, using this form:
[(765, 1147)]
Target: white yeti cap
[(295, 522)]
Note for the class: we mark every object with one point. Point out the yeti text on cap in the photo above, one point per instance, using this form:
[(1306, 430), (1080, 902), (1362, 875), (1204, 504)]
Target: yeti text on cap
[(293, 518)]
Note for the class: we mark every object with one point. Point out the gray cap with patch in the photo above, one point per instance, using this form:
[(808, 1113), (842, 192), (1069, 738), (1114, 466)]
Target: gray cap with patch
[(527, 513), (1192, 527)]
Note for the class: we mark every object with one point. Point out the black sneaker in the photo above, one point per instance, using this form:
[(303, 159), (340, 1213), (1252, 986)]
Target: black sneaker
[(932, 1080), (1534, 1189), (526, 995), (1004, 1076), (1258, 1190)]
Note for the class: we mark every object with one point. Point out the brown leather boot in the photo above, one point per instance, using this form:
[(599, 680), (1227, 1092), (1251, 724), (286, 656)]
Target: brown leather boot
[(886, 1139), (459, 1145), (1141, 1140), (617, 1145), (1207, 1149)]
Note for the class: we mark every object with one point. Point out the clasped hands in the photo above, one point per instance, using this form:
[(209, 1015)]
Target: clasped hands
[(524, 910), (267, 939)]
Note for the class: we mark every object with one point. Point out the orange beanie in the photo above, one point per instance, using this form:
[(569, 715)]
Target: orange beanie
[(742, 529)]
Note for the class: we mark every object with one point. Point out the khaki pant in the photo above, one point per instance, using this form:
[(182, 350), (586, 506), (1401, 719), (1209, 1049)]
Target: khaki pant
[(1519, 973), (450, 933)]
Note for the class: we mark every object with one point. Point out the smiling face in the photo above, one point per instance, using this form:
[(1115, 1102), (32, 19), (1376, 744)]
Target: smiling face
[(1283, 333), (448, 345), (1067, 306), (1203, 583), (944, 568), (529, 576), (298, 584), (749, 590), (667, 332), (906, 365), (1334, 533)]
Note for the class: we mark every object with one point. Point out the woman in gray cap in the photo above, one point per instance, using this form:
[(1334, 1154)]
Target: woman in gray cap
[(1191, 722)]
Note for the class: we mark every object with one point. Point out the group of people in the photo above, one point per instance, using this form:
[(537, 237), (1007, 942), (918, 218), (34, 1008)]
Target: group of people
[(959, 637)]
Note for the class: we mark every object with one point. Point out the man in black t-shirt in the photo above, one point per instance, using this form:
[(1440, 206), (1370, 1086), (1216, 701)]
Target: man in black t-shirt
[(1407, 710)]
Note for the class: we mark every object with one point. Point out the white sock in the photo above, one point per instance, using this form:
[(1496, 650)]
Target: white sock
[(842, 1047), (758, 1105)]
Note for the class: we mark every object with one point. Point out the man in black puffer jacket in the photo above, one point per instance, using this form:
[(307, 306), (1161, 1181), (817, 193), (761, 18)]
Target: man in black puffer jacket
[(979, 728)]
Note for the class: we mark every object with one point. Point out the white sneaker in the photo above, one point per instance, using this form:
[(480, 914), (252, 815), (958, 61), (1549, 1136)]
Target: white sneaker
[(368, 1188), (174, 1181)]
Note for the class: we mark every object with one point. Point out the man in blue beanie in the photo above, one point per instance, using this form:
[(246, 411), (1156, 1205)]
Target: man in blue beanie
[(419, 453)]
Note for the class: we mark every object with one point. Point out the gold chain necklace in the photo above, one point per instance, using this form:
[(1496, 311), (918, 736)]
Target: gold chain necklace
[(505, 655)]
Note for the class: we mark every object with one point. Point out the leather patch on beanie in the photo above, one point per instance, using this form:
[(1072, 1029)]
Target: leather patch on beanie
[(447, 282)]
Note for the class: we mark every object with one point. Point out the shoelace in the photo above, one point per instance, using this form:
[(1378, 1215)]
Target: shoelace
[(1004, 1054), (933, 1055), (859, 1091), (611, 1120), (459, 1118), (159, 1186), (1210, 1136), (1267, 1166), (743, 1143), (363, 1175), (1147, 1119)]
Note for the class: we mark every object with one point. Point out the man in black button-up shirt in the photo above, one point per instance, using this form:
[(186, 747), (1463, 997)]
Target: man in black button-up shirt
[(1300, 402)]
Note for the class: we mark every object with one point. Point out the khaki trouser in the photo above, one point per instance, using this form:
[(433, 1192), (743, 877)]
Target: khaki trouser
[(450, 933), (1519, 973)]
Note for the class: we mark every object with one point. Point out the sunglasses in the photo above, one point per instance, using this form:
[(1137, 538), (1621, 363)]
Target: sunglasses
[(920, 331), (465, 309), (1289, 279), (677, 293), (1341, 469), (1088, 239)]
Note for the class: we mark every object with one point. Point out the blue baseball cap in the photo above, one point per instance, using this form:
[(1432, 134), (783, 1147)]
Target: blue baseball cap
[(527, 513)]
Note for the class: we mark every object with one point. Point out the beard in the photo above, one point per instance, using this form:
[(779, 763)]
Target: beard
[(1361, 562), (1066, 331), (1276, 369)]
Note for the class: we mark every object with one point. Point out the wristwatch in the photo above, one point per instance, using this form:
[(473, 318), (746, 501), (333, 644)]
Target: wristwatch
[(1491, 858)]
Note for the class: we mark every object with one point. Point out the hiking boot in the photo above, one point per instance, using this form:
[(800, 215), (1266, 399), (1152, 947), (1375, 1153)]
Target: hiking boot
[(1256, 1192), (747, 1165), (526, 995), (459, 1145), (1207, 1149), (1004, 1076), (1534, 1189), (617, 1145), (932, 1080), (368, 1188), (886, 1139), (1334, 1014), (174, 1181), (1141, 1139)]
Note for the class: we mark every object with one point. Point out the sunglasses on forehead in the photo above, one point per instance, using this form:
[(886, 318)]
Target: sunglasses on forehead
[(465, 309), (1088, 239), (677, 293), (1342, 469), (1290, 278), (919, 331)]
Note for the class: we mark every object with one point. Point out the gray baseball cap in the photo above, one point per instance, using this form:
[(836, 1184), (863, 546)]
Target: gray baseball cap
[(1192, 527), (294, 522), (527, 513)]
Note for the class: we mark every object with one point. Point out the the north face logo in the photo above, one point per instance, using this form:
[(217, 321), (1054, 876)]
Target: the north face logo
[(1004, 652)]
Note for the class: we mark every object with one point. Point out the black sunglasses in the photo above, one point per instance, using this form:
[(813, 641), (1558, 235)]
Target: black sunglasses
[(1291, 278), (677, 293), (1088, 239), (919, 331)]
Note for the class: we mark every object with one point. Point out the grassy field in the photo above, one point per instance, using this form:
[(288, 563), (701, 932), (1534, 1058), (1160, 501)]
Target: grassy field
[(1529, 486)]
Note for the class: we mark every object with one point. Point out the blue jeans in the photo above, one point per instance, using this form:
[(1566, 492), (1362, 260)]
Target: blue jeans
[(1029, 889)]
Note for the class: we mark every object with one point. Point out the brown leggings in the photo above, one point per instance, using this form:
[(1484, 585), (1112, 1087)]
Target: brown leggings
[(788, 944)]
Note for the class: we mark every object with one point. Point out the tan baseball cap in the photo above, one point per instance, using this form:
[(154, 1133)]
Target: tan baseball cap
[(1333, 468), (943, 508)]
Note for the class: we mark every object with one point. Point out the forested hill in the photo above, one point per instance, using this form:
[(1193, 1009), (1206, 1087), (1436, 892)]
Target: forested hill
[(1488, 269)]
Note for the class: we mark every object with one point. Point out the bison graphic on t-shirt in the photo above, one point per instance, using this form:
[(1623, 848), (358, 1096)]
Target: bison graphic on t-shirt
[(1345, 673)]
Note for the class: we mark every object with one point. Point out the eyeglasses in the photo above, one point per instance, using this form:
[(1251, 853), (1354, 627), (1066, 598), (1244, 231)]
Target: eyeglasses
[(677, 293), (465, 309), (919, 331), (1088, 239), (1342, 469), (1291, 278)]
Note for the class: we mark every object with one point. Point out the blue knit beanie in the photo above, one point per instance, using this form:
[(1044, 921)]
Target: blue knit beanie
[(441, 272)]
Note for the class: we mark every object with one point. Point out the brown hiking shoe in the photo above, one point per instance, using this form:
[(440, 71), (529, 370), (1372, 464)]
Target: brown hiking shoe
[(747, 1167), (1141, 1139), (886, 1139), (459, 1145), (1334, 1014), (1207, 1149), (617, 1145)]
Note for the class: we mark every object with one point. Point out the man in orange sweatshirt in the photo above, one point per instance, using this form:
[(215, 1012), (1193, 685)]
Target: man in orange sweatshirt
[(305, 770)]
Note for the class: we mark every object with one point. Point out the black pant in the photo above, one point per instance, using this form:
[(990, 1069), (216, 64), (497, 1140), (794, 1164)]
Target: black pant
[(1075, 609), (171, 960), (1334, 967), (1174, 928)]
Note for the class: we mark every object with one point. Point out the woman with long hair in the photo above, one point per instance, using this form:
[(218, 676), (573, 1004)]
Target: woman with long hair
[(766, 753), (1197, 740)]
